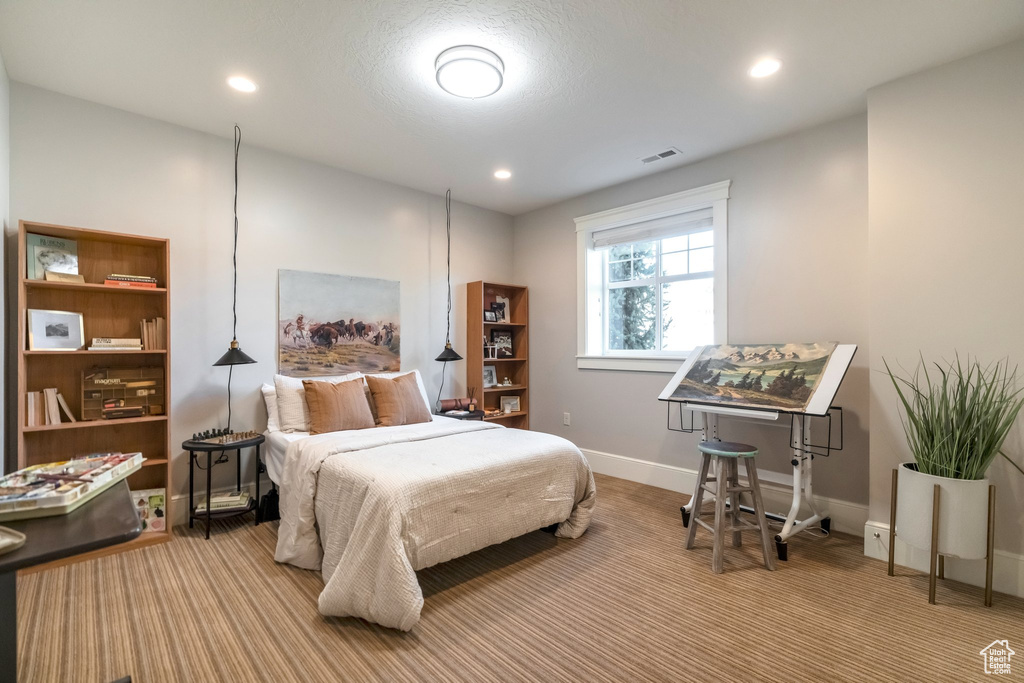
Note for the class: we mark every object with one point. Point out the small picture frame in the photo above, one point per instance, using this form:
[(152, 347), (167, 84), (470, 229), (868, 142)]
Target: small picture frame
[(502, 341), (500, 308), (490, 316), (490, 376), (510, 404), (55, 330)]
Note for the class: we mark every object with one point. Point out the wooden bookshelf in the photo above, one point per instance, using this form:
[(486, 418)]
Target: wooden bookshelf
[(107, 312), (479, 297)]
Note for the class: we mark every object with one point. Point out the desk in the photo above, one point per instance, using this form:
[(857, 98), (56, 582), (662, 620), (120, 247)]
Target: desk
[(108, 519)]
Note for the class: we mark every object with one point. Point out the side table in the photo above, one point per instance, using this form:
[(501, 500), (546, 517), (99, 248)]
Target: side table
[(195, 449)]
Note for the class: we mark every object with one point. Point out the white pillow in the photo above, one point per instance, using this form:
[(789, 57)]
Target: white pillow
[(292, 411), (392, 375), (270, 399)]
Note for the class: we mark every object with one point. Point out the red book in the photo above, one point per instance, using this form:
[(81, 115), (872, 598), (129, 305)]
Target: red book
[(125, 283)]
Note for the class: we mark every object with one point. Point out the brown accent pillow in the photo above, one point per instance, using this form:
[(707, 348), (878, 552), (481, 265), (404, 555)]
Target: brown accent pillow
[(398, 400), (336, 407)]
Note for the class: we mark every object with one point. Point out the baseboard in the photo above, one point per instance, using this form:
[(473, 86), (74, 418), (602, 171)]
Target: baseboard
[(846, 517), (179, 501), (1007, 568)]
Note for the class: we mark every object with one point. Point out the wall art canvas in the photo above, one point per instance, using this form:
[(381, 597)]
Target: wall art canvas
[(336, 324), (766, 376)]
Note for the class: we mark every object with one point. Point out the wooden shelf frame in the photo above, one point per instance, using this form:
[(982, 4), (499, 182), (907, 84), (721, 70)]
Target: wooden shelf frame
[(107, 312), (479, 296)]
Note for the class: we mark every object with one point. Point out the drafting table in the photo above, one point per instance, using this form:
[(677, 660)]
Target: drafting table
[(819, 405)]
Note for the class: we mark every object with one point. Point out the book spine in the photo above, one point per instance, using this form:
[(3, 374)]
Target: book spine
[(129, 283), (116, 341), (131, 278)]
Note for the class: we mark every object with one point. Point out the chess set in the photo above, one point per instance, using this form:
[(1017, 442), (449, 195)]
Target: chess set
[(223, 436)]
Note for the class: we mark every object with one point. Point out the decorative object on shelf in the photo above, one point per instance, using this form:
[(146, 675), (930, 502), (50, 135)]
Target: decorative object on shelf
[(53, 276), (506, 382), (447, 354), (55, 330), (490, 376), (118, 392), (955, 423), (502, 341), (510, 404), (363, 337), (234, 355), (54, 254), (490, 317)]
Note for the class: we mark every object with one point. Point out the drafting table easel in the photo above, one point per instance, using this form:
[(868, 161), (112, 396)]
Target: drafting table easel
[(818, 406)]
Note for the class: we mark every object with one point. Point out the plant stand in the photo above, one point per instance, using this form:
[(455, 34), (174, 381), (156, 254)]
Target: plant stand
[(937, 568)]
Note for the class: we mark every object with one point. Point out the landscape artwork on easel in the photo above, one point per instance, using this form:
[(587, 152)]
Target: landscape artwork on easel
[(766, 376)]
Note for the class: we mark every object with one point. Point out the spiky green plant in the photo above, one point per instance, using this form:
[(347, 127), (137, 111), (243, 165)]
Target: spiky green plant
[(956, 423)]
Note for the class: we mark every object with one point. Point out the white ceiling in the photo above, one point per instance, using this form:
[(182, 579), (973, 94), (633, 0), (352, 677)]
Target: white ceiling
[(590, 85)]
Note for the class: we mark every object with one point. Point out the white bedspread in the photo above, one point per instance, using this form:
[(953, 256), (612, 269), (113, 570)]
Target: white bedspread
[(389, 501)]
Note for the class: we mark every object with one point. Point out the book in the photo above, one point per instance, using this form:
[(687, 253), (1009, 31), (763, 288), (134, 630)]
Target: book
[(129, 283), (54, 276), (141, 279), (122, 412), (226, 503), (116, 341), (115, 348), (151, 504), (50, 253), (65, 407), (35, 409), (154, 334), (52, 408)]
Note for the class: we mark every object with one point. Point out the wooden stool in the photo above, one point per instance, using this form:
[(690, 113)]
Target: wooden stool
[(727, 488)]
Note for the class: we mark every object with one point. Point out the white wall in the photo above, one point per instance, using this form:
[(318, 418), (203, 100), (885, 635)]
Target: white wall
[(83, 164), (5, 197), (797, 272), (946, 242)]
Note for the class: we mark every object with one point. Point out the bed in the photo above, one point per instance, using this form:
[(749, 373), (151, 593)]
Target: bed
[(370, 507)]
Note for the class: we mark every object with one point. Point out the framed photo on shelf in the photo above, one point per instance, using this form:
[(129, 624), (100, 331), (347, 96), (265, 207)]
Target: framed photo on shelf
[(510, 404), (490, 376), (502, 341), (55, 330), (500, 308), (490, 317)]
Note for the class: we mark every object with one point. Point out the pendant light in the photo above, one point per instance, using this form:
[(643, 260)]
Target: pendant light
[(234, 355), (448, 354)]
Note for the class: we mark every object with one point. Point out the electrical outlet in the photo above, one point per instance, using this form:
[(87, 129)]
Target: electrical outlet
[(565, 419)]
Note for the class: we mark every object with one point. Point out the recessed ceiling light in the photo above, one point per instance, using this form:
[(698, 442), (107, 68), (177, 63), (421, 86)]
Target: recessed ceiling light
[(503, 175), (242, 84), (469, 71), (765, 67)]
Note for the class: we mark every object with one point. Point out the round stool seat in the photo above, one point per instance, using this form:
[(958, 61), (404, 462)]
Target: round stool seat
[(728, 449)]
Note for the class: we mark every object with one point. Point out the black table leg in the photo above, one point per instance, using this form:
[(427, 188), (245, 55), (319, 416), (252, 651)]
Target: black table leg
[(9, 630), (257, 484), (209, 473), (238, 469), (191, 488)]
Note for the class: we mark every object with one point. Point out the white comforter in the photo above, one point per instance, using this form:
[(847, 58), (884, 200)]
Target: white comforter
[(389, 501)]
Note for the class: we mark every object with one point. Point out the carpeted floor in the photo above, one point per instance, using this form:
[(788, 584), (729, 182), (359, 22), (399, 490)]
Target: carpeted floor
[(624, 602)]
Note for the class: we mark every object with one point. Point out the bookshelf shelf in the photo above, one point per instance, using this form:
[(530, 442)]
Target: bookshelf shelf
[(107, 311), (479, 297)]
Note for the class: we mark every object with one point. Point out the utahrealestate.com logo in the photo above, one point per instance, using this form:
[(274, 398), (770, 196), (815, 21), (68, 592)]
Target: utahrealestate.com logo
[(997, 657)]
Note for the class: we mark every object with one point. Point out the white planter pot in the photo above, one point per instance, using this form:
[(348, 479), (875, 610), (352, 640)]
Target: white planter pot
[(963, 513)]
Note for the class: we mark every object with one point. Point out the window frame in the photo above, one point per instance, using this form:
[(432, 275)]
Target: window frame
[(592, 271)]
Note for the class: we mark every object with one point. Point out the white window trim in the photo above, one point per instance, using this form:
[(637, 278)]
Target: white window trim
[(716, 196)]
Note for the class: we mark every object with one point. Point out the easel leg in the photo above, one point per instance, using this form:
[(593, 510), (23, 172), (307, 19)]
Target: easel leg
[(892, 522), (934, 551), (991, 544)]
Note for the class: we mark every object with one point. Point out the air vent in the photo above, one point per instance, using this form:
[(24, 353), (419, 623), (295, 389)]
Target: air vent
[(667, 154)]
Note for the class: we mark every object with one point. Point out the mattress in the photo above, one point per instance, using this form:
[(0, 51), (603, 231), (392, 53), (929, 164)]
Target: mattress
[(274, 451)]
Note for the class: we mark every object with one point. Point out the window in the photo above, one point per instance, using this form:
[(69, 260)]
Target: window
[(652, 281)]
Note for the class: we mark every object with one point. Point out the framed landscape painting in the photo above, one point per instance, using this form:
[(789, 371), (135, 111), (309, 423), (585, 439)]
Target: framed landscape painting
[(337, 324)]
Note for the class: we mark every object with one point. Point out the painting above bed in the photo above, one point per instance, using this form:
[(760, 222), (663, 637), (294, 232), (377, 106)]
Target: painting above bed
[(336, 324)]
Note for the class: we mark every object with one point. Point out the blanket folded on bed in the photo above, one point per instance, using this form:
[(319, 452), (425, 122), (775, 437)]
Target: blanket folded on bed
[(388, 502)]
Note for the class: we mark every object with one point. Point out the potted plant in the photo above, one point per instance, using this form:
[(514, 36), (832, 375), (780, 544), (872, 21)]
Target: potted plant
[(956, 420)]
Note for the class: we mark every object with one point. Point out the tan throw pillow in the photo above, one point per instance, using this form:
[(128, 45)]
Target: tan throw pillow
[(337, 407), (398, 400)]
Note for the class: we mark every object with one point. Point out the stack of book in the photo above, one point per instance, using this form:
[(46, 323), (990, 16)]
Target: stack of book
[(154, 332), (226, 502), (117, 408), (44, 408), (116, 344), (118, 280)]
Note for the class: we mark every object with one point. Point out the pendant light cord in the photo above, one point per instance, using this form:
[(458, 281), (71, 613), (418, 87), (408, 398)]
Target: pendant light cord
[(234, 269), (448, 259)]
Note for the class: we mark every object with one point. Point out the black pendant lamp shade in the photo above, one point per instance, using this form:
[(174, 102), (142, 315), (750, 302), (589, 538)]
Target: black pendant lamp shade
[(234, 356), (448, 354)]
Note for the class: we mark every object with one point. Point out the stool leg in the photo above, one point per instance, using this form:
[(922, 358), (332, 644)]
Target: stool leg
[(720, 516), (734, 501), (762, 521), (698, 499)]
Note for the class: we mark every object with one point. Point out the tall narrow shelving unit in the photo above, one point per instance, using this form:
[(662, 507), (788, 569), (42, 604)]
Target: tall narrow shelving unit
[(479, 297), (107, 312)]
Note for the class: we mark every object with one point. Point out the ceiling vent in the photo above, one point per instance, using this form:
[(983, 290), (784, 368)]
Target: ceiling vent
[(667, 154)]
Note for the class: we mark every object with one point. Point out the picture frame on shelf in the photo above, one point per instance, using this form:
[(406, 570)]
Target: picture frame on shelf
[(55, 330), (502, 341), (500, 308), (490, 316), (490, 376), (46, 253), (510, 404)]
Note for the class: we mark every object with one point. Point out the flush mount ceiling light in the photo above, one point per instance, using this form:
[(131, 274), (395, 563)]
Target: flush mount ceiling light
[(765, 67), (242, 84), (503, 175), (469, 71)]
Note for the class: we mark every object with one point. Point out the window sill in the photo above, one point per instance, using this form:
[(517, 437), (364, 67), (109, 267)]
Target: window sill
[(664, 364)]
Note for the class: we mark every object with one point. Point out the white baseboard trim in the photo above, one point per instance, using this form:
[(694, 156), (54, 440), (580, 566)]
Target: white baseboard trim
[(846, 517), (179, 501), (1007, 569)]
